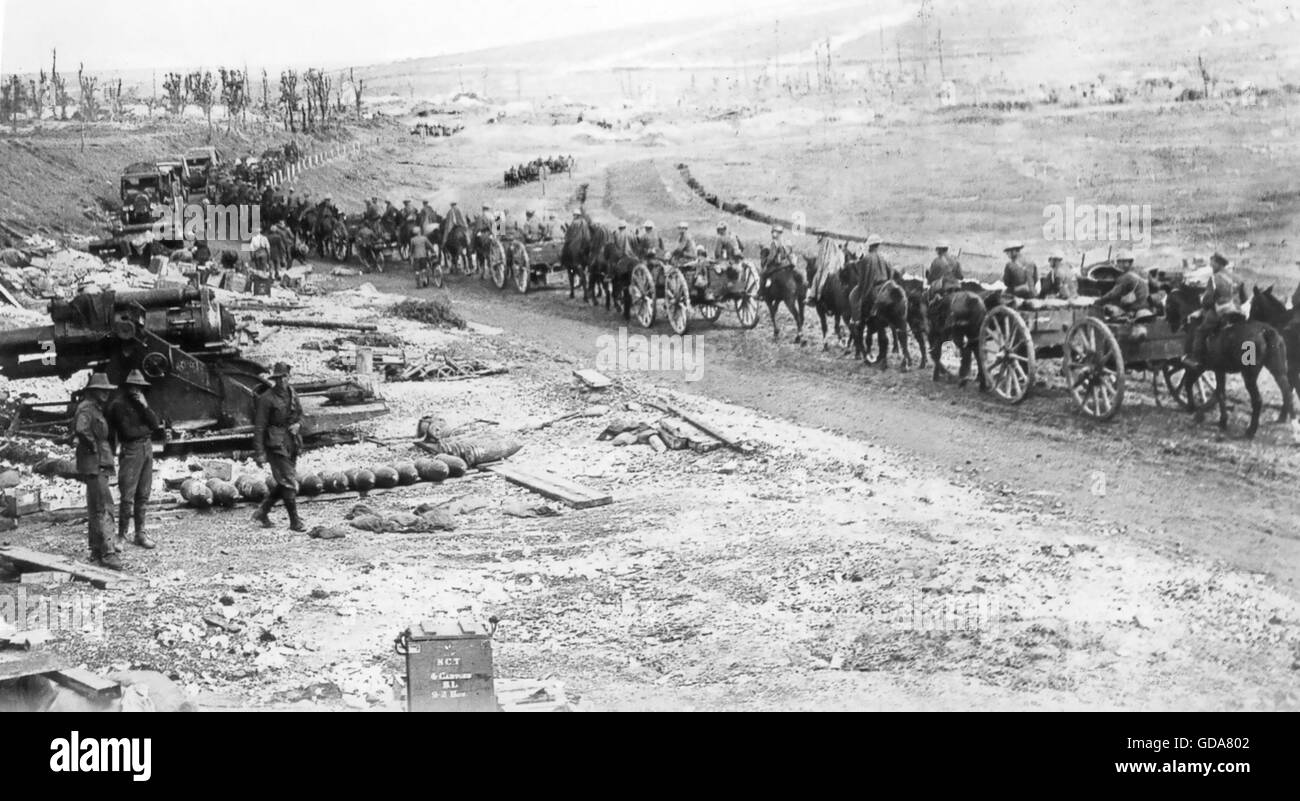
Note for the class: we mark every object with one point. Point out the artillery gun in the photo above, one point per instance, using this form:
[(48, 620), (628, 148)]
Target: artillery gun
[(182, 340)]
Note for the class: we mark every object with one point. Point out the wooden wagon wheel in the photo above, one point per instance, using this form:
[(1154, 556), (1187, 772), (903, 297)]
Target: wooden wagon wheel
[(496, 264), (1094, 368), (642, 291), (1006, 354), (748, 303), (437, 275), (1202, 391), (340, 247), (404, 250), (521, 270), (710, 311), (677, 300)]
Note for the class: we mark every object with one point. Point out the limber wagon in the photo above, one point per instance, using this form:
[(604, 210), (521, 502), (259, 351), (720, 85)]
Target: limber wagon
[(526, 265), (1096, 353), (694, 286)]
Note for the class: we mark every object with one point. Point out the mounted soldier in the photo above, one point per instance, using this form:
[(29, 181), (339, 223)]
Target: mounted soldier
[(1219, 306), (944, 274)]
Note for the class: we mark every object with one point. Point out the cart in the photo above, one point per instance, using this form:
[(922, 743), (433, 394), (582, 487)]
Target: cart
[(1096, 354), (528, 265), (694, 286)]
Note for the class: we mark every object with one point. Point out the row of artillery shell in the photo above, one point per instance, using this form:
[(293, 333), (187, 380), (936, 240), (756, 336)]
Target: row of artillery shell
[(201, 494)]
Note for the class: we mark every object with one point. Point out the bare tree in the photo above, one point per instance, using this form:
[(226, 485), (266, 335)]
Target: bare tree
[(12, 99), (61, 97), (234, 93), (290, 99), (177, 92), (1206, 79), (358, 86), (266, 96), (319, 85), (89, 106), (152, 102), (39, 91)]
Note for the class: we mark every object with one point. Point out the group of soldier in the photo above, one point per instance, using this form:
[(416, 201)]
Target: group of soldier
[(114, 429), (537, 170)]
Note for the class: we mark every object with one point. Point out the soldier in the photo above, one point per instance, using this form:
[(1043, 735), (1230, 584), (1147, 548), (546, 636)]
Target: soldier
[(95, 467), (684, 249), (134, 425), (455, 218), (391, 220), (944, 274), (1131, 291), (727, 248), (876, 270), (483, 223), (649, 244), (428, 217), (421, 252), (1020, 276), (1219, 303), (409, 212), (533, 230), (277, 440), (622, 240), (1059, 282), (551, 228), (260, 247), (778, 254), (373, 211)]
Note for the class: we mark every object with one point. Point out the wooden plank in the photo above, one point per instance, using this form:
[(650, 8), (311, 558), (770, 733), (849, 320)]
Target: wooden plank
[(593, 379), (86, 683), (695, 421), (97, 576), (549, 485), (16, 664)]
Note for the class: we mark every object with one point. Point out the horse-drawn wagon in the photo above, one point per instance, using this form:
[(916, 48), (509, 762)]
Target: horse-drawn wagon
[(700, 286), (1096, 350), (527, 264)]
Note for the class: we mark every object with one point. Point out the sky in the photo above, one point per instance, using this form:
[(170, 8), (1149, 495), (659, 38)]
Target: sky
[(110, 35)]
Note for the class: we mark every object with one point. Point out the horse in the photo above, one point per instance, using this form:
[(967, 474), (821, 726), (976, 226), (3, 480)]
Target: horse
[(456, 254), (1267, 308), (884, 312), (1246, 347), (956, 317), (785, 284), (831, 302), (918, 316)]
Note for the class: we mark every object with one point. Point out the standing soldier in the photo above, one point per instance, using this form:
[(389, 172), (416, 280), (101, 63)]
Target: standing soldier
[(944, 274), (421, 253), (260, 247), (1020, 276), (94, 460), (134, 424), (277, 439), (1218, 302)]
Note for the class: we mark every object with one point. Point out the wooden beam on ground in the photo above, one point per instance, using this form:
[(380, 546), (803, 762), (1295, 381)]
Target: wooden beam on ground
[(86, 684), (705, 427), (16, 664), (100, 577), (593, 379), (549, 485)]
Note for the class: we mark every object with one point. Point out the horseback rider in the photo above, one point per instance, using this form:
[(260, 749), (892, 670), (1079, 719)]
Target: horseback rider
[(1131, 292), (483, 223), (944, 274), (876, 270), (455, 218), (776, 256), (1219, 305), (1020, 276), (1059, 282), (684, 249), (649, 245), (391, 220)]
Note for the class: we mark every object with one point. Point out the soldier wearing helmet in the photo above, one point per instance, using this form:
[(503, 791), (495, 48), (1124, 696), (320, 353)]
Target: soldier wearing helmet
[(944, 274), (727, 248), (684, 249), (649, 245), (1131, 291), (1059, 282)]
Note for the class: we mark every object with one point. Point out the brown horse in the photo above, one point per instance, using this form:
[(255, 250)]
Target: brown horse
[(885, 311), (1267, 308), (956, 317), (1245, 347), (785, 284), (832, 302)]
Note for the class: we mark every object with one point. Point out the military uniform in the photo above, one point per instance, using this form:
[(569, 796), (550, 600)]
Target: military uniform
[(649, 245), (622, 240), (134, 425), (685, 247), (95, 468), (778, 256), (1059, 282), (1020, 276), (944, 273), (1218, 303), (277, 442), (1130, 293), (728, 248)]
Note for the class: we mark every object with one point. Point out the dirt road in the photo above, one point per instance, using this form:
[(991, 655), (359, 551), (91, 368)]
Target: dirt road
[(1150, 474)]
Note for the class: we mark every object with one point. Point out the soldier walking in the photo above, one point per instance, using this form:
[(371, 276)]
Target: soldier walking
[(95, 467), (134, 425), (277, 440)]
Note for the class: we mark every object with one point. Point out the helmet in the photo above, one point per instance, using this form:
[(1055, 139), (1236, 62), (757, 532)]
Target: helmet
[(874, 239), (1124, 255), (649, 224), (1013, 246)]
